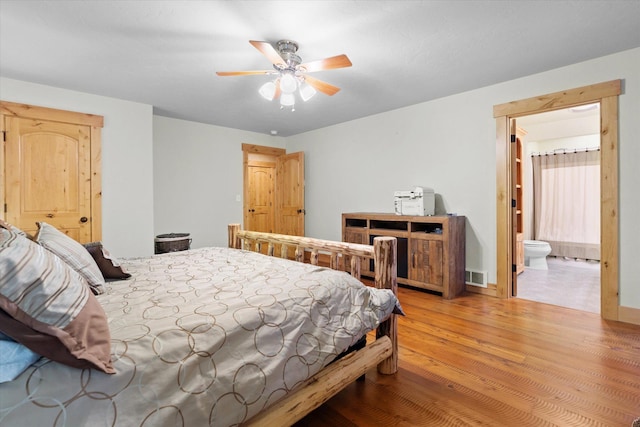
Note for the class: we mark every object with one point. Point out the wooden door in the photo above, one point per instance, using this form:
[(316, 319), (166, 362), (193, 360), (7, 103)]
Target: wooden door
[(261, 196), (355, 235), (52, 170), (516, 205), (283, 187), (290, 194), (426, 261), (360, 236)]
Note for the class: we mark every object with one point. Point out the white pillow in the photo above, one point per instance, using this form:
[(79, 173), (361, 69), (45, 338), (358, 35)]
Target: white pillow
[(73, 253), (13, 228)]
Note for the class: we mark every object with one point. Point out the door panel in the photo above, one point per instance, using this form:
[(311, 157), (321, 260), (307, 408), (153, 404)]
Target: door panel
[(273, 191), (48, 175), (515, 170), (426, 261), (290, 172), (261, 192)]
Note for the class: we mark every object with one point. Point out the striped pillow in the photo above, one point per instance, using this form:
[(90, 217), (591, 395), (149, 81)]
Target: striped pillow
[(73, 253), (42, 296), (4, 224)]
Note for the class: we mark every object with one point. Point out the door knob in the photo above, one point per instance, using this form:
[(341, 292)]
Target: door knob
[(84, 219)]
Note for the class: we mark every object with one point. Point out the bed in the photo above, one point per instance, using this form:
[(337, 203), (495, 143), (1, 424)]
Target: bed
[(224, 336)]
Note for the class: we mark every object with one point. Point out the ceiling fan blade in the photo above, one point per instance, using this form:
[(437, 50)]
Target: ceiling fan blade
[(243, 73), (269, 51), (340, 61), (321, 86)]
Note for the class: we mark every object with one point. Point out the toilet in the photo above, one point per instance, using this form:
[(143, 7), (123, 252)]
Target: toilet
[(535, 254)]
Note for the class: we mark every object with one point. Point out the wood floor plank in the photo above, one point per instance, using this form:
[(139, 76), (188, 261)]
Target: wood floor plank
[(482, 361)]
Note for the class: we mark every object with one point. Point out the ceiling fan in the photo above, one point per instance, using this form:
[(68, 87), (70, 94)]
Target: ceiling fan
[(291, 73)]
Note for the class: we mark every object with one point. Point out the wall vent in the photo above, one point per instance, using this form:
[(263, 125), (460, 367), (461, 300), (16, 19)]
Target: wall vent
[(475, 277)]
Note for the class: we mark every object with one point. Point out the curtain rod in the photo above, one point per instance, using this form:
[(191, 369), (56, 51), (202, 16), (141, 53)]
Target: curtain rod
[(565, 151)]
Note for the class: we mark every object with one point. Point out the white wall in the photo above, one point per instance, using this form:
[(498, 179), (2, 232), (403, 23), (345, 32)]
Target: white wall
[(443, 144), (127, 169), (449, 144), (197, 177), (569, 143)]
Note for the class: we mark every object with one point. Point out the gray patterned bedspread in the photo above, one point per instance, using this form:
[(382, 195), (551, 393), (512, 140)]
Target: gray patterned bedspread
[(202, 337)]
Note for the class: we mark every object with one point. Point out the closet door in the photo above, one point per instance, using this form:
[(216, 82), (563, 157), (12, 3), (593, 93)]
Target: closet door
[(49, 176), (50, 169), (273, 190), (290, 194), (261, 196)]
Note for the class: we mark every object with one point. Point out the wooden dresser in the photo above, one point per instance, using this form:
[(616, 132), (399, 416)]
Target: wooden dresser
[(431, 249)]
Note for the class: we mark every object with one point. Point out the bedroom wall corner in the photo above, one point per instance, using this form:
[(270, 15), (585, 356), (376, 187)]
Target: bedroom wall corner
[(127, 174), (198, 177)]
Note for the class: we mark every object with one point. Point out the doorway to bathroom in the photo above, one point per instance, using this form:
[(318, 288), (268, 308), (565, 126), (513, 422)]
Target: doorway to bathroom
[(606, 93), (560, 207)]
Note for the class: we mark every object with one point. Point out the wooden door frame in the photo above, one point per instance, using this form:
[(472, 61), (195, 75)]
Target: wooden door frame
[(95, 123), (607, 95)]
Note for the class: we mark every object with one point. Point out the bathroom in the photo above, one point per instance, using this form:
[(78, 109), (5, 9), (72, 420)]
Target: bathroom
[(561, 222)]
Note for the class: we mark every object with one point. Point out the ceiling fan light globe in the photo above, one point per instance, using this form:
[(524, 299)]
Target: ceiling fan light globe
[(287, 99), (307, 92), (288, 83), (268, 91)]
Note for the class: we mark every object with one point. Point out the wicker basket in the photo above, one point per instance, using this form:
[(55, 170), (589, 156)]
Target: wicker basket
[(172, 242)]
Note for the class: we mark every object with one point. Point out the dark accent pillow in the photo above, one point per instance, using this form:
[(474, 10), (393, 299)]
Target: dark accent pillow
[(106, 263)]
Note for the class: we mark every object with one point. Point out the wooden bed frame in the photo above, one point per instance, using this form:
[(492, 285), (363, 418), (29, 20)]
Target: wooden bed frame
[(332, 379)]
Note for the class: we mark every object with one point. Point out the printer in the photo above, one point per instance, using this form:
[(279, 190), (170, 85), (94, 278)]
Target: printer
[(417, 202)]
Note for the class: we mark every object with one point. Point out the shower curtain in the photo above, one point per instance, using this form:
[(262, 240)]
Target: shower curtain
[(566, 205)]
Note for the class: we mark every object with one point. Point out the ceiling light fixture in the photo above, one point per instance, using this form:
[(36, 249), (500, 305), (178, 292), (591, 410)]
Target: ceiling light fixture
[(289, 80), (287, 86), (288, 83), (291, 74)]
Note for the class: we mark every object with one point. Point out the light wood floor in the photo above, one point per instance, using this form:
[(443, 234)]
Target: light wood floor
[(482, 361)]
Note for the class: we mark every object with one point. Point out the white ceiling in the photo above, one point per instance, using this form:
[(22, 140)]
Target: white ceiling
[(565, 123), (165, 53)]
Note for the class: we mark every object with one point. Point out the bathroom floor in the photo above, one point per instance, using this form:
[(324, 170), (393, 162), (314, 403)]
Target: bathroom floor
[(567, 283)]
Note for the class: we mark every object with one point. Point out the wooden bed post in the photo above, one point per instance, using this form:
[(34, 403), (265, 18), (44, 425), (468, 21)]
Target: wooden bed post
[(386, 277), (234, 240)]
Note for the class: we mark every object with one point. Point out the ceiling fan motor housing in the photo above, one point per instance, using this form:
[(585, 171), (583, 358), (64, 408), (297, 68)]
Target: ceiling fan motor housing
[(287, 50)]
